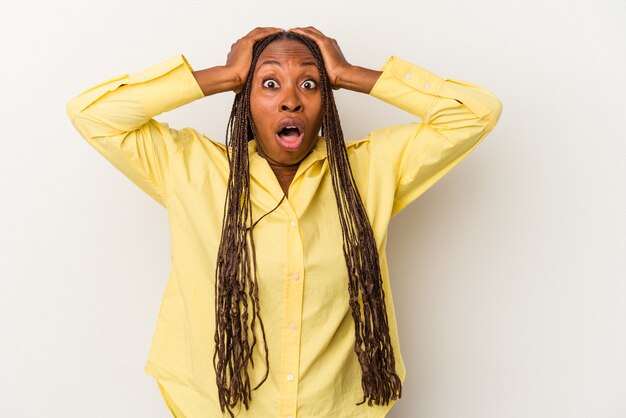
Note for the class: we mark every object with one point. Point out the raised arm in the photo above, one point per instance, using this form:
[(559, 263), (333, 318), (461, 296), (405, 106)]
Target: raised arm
[(455, 116), (233, 75), (341, 73), (116, 116)]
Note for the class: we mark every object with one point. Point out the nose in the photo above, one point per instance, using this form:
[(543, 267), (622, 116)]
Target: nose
[(291, 108), (290, 102)]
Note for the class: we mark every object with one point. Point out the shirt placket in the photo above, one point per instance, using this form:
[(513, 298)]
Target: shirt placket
[(292, 316)]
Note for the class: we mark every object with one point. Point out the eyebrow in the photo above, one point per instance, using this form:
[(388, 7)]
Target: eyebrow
[(280, 65)]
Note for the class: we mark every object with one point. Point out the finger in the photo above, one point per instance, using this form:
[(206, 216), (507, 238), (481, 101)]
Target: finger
[(262, 32), (314, 29), (305, 32), (310, 35), (311, 28), (264, 29), (312, 32)]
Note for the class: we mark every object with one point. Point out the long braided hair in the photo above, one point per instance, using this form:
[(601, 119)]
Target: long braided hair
[(236, 280)]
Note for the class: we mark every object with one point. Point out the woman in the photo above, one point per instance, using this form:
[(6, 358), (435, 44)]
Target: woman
[(279, 274)]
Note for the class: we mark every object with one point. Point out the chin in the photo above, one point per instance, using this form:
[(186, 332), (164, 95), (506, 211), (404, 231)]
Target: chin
[(292, 158), (290, 153)]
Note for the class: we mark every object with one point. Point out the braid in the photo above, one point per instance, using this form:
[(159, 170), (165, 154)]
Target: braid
[(236, 261), (234, 272)]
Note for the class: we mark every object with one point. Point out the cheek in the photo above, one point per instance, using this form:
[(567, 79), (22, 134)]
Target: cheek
[(316, 105), (318, 113), (259, 109)]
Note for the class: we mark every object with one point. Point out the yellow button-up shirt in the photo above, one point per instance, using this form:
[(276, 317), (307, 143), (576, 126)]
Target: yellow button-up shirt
[(302, 276)]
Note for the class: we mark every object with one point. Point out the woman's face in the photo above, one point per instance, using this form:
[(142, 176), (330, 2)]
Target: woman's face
[(286, 93)]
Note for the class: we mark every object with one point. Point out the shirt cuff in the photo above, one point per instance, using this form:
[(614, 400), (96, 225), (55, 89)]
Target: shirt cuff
[(159, 88), (423, 93), (407, 86)]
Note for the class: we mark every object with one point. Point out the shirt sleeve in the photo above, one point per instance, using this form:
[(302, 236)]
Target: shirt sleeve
[(116, 118), (455, 117)]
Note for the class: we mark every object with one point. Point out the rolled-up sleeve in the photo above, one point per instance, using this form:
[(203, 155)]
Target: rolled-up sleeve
[(455, 117), (116, 118)]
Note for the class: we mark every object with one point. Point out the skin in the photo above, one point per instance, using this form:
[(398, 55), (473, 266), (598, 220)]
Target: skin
[(290, 99), (285, 85)]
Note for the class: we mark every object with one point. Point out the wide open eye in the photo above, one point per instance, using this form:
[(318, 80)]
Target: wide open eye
[(309, 84), (270, 83)]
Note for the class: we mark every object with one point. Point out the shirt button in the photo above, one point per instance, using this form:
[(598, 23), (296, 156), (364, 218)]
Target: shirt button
[(292, 325), (294, 223), (295, 276), (289, 416), (408, 76), (290, 377), (427, 85)]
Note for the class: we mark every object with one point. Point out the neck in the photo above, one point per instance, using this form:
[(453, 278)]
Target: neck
[(284, 173)]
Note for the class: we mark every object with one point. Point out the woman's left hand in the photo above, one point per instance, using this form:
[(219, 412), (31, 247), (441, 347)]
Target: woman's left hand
[(334, 61)]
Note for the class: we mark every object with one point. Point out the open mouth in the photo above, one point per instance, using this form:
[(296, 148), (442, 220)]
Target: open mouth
[(291, 134)]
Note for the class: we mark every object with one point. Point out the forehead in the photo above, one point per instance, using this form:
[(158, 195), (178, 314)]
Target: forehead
[(285, 51)]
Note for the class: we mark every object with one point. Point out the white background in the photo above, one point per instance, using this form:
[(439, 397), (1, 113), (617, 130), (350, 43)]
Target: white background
[(508, 275)]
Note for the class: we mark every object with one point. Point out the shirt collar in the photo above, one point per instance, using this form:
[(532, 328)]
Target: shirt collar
[(261, 171), (259, 165)]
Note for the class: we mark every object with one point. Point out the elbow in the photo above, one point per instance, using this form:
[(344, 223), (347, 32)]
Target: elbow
[(89, 124), (71, 108), (80, 124), (494, 106), (87, 127), (497, 110)]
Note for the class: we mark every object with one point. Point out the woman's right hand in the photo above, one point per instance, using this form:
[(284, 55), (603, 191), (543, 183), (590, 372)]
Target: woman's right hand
[(240, 55)]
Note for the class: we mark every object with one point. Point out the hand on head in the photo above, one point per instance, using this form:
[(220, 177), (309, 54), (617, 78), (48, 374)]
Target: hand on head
[(240, 55), (334, 61)]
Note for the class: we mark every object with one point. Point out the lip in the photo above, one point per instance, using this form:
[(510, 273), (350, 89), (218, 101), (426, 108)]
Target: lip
[(290, 122), (290, 145)]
